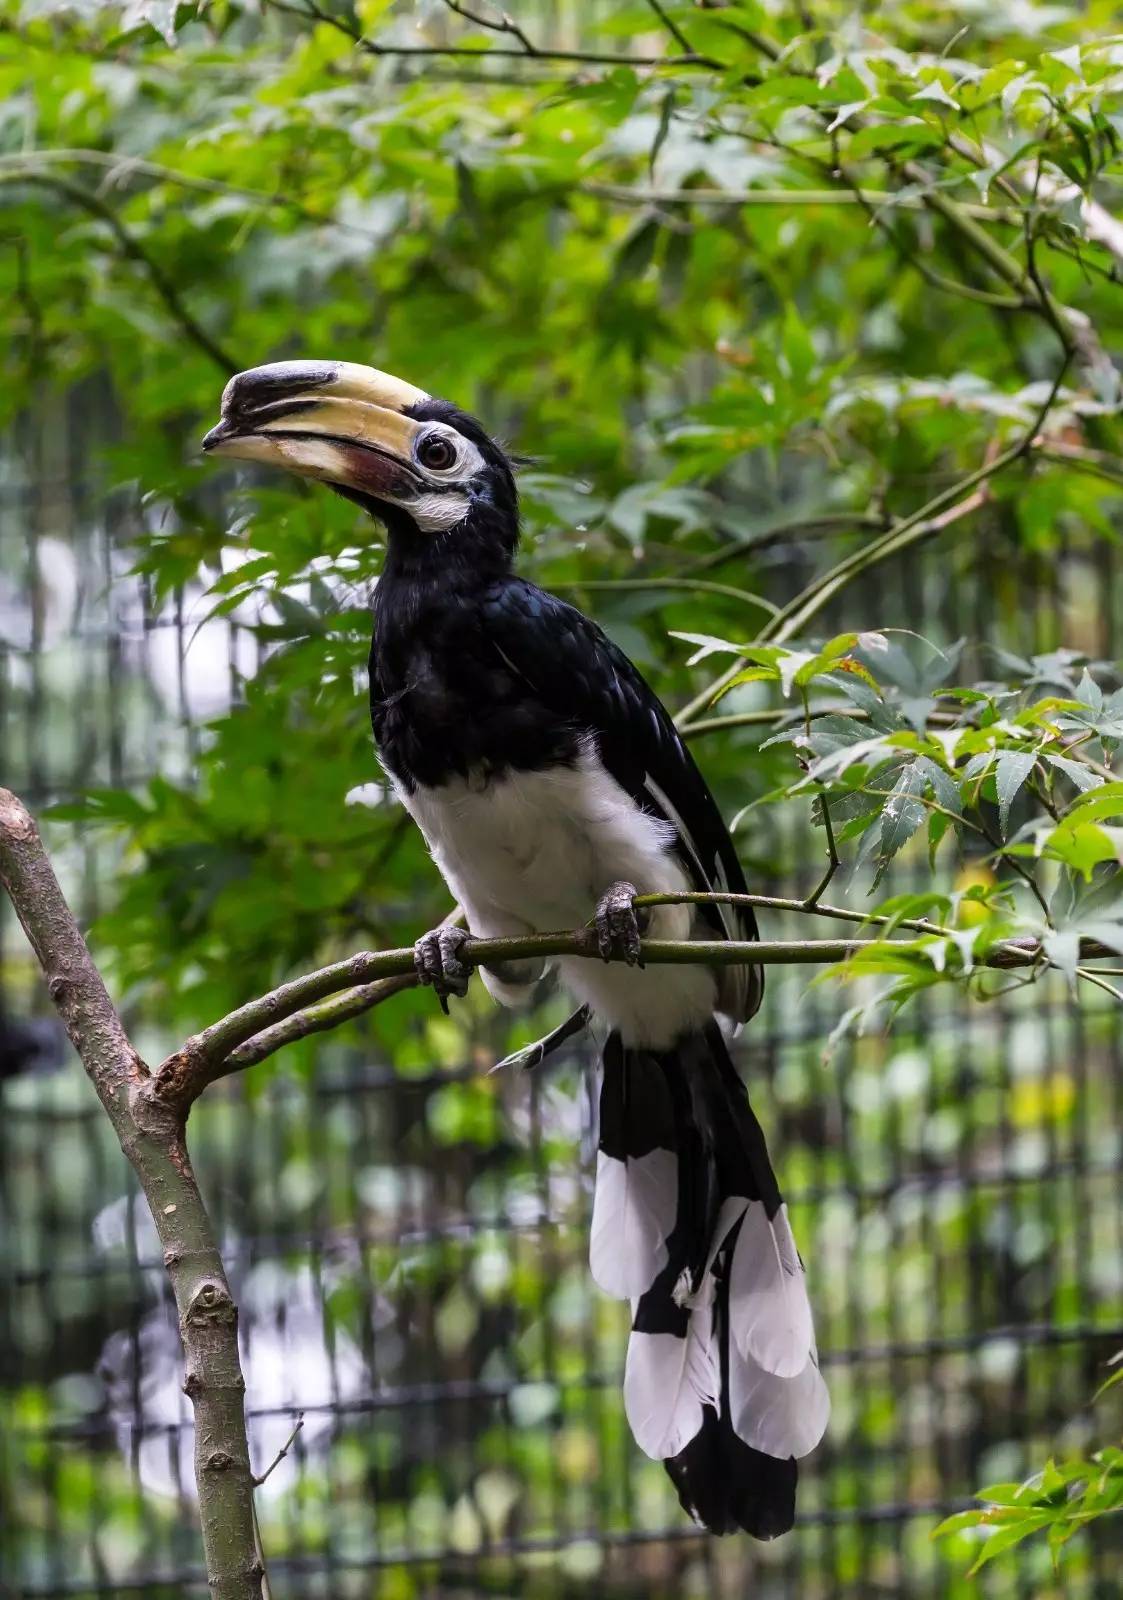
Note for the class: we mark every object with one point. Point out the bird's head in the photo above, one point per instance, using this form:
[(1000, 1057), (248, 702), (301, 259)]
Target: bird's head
[(430, 472)]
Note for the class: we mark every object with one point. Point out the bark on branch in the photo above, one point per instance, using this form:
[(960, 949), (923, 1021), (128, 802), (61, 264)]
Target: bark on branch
[(263, 1026), (150, 1131)]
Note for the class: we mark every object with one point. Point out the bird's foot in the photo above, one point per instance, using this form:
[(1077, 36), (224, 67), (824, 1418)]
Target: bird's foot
[(619, 926), (436, 960)]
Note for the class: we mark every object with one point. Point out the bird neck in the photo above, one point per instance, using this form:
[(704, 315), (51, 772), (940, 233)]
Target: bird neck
[(470, 555)]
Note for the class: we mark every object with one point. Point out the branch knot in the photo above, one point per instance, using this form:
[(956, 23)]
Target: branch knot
[(211, 1303)]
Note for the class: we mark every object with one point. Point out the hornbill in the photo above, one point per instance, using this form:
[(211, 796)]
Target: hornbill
[(546, 777)]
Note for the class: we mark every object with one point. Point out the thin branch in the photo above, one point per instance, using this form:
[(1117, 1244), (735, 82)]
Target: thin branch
[(801, 528), (739, 719), (671, 26), (319, 1018), (310, 12), (939, 512), (833, 861), (931, 518), (786, 199), (696, 585), (281, 1454), (150, 1133), (769, 902), (352, 1003), (1101, 983), (1098, 463), (117, 167), (183, 1075), (131, 248), (505, 25)]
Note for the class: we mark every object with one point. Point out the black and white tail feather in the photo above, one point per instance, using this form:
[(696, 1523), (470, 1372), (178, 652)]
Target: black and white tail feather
[(722, 1381)]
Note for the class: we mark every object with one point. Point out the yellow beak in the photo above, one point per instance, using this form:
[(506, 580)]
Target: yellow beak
[(336, 421)]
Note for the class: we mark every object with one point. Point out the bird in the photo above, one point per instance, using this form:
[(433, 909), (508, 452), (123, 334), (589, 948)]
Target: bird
[(32, 1045), (552, 788)]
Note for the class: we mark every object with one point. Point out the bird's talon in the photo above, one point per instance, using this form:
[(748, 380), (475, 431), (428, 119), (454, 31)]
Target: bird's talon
[(618, 925), (437, 962)]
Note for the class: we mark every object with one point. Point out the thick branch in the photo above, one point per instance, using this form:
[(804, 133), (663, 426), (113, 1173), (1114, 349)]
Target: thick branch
[(151, 1135)]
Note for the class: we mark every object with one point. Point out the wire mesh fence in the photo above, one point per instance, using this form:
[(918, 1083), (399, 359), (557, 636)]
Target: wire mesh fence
[(407, 1240)]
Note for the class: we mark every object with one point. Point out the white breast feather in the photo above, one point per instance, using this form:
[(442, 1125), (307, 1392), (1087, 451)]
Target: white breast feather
[(535, 851)]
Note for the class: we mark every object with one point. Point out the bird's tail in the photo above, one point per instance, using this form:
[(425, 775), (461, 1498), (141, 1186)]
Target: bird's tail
[(722, 1381)]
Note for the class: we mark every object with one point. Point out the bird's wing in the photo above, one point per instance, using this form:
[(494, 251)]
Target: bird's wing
[(579, 675)]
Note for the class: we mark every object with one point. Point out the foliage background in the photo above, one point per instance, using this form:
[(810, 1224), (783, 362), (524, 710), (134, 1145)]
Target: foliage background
[(728, 391)]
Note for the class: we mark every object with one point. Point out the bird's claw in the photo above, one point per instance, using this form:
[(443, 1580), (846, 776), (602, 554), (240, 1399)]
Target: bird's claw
[(618, 925), (436, 960)]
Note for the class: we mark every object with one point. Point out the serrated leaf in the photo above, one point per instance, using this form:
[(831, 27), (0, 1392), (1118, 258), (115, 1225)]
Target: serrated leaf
[(1075, 771), (943, 786), (1063, 949), (1011, 770), (707, 645), (1089, 693), (159, 14), (902, 816), (936, 91)]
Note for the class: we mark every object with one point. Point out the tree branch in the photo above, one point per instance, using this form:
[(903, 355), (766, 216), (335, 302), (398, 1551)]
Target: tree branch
[(684, 581), (211, 1055), (133, 251), (786, 199), (151, 1135), (319, 1018), (938, 513), (311, 12), (931, 518)]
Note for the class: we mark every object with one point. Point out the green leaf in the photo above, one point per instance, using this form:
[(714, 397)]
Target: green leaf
[(1011, 770), (1082, 846), (1075, 771), (1105, 801), (1063, 950), (1005, 1538), (902, 816)]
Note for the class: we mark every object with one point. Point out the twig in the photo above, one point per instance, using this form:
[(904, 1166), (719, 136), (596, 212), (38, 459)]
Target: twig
[(311, 12), (833, 862), (931, 518), (281, 1453), (151, 1135), (1101, 983), (769, 902), (800, 528), (939, 512), (1096, 462), (344, 1007), (696, 585), (133, 251), (15, 167), (505, 25), (671, 26), (786, 199)]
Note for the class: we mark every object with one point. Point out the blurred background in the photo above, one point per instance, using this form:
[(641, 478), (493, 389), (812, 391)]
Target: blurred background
[(718, 399)]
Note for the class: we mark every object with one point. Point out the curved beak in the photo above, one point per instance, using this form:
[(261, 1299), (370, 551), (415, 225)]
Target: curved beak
[(336, 421)]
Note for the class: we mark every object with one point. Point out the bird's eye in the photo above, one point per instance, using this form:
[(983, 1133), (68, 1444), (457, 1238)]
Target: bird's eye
[(436, 451)]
